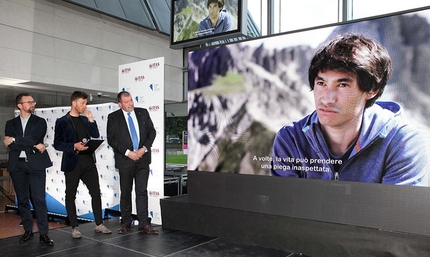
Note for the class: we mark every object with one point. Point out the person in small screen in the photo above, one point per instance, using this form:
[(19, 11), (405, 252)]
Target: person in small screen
[(350, 136), (217, 21)]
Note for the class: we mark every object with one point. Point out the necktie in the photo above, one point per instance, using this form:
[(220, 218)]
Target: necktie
[(133, 133)]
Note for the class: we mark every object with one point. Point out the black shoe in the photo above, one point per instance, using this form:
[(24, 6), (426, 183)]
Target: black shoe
[(46, 240), (27, 236)]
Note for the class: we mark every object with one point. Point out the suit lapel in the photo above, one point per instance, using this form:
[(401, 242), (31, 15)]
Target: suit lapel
[(18, 126), (123, 124)]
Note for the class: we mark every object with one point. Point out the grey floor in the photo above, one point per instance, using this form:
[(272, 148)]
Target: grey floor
[(166, 243)]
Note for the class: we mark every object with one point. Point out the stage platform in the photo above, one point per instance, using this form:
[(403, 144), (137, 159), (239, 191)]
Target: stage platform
[(312, 238)]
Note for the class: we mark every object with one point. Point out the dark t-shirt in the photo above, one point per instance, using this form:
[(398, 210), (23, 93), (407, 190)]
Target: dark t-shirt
[(81, 130)]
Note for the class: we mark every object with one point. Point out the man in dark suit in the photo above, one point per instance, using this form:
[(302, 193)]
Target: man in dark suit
[(130, 132), (26, 166), (70, 131)]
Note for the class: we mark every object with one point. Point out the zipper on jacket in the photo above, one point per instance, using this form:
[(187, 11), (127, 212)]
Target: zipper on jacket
[(336, 175)]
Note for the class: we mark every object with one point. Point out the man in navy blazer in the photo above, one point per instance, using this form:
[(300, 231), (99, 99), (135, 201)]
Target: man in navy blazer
[(26, 165), (132, 161), (71, 130)]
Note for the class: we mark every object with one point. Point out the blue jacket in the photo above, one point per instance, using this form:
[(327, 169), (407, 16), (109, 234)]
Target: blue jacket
[(389, 150), (223, 24), (65, 137)]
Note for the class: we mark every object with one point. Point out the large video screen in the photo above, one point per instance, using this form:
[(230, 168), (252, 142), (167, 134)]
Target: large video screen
[(195, 22), (259, 107)]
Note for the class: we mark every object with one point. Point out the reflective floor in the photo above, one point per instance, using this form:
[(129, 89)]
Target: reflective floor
[(166, 243)]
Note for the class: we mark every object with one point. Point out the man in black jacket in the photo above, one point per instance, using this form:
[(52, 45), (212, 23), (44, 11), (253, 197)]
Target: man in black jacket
[(26, 166), (130, 132)]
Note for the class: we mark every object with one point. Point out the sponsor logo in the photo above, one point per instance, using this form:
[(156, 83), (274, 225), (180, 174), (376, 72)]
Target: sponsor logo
[(140, 99), (154, 87), (154, 193), (154, 65), (125, 70), (154, 108), (139, 78)]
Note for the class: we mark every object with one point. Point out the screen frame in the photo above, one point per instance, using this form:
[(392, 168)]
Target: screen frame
[(409, 11), (240, 31)]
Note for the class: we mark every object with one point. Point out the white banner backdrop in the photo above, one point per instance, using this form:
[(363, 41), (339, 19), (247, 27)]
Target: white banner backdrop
[(145, 82), (55, 180)]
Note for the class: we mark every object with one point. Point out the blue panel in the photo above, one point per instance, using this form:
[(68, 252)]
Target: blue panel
[(111, 7), (161, 10), (136, 12), (87, 3)]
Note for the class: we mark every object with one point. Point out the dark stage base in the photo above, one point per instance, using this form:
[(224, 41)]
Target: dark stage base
[(312, 238)]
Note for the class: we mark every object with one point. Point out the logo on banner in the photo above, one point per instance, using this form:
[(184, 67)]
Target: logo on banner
[(110, 168), (54, 111), (154, 193), (155, 150), (139, 78), (154, 65), (140, 99), (154, 215), (154, 87), (154, 108), (99, 108), (126, 70), (103, 156)]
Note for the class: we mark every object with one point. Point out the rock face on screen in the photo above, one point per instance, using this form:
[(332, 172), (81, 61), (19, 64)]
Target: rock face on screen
[(241, 95)]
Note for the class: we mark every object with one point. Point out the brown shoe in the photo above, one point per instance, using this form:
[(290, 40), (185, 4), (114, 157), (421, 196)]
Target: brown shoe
[(124, 228), (148, 230)]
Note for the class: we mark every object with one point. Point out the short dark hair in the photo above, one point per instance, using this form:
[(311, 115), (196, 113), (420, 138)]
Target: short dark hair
[(122, 93), (18, 98), (356, 54), (219, 2), (78, 95)]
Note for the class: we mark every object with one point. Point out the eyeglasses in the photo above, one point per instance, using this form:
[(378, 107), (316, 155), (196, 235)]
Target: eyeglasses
[(29, 102)]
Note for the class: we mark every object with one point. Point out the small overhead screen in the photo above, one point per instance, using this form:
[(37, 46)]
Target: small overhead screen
[(196, 22)]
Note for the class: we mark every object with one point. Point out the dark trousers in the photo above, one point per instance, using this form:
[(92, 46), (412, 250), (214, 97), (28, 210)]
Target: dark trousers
[(140, 175), (27, 181), (87, 172)]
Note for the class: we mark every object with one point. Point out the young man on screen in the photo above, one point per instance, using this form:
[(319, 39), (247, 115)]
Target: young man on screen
[(217, 21), (350, 136)]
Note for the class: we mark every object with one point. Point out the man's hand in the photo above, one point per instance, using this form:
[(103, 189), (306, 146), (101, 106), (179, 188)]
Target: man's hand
[(134, 155), (89, 115), (141, 151), (41, 147), (79, 146), (7, 140)]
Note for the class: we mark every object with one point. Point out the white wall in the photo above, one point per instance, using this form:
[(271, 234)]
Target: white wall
[(52, 42)]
